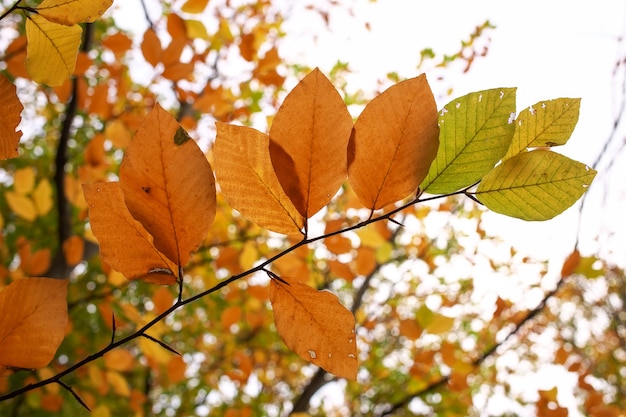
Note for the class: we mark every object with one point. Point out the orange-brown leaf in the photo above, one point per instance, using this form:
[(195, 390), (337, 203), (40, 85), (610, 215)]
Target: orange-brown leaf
[(124, 243), (168, 186), (394, 141), (151, 47), (248, 182), (308, 142), (33, 316), (10, 117), (315, 326)]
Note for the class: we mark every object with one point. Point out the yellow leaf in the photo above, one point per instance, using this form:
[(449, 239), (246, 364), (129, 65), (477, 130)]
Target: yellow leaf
[(42, 197), (194, 6), (196, 29), (51, 50), (10, 118), (440, 324), (248, 181), (394, 141), (308, 143), (124, 242), (21, 205), (33, 316), (101, 410), (119, 360), (24, 180), (70, 12), (118, 382), (168, 186), (315, 326)]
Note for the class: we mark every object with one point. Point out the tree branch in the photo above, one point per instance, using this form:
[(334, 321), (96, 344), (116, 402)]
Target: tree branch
[(480, 359)]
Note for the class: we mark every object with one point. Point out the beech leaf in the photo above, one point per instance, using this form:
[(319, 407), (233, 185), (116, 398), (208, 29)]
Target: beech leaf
[(51, 50), (547, 123), (536, 185), (394, 141), (248, 182), (476, 131), (308, 143), (10, 118), (124, 243), (33, 316), (315, 326), (70, 12), (168, 186)]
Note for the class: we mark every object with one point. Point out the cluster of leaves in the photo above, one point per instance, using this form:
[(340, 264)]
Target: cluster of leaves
[(163, 222)]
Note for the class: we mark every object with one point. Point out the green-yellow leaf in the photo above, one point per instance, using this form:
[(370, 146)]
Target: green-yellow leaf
[(33, 316), (248, 182), (70, 12), (547, 123), (51, 50), (475, 133), (536, 185)]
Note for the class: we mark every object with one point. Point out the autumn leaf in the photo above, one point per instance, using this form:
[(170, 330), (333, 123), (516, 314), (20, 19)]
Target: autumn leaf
[(168, 186), (33, 316), (194, 6), (248, 182), (10, 118), (547, 123), (476, 131), (124, 243), (151, 47), (51, 50), (21, 205), (393, 143), (70, 12), (535, 185), (315, 326), (308, 143)]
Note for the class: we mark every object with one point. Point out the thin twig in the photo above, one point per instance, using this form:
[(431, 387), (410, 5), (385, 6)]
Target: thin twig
[(74, 394)]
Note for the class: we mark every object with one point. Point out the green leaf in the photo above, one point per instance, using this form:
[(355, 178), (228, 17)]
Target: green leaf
[(534, 185), (547, 123), (475, 133)]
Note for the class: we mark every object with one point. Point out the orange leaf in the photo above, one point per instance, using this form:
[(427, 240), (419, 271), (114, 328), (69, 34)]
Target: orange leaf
[(151, 47), (570, 264), (73, 249), (10, 117), (124, 243), (248, 182), (315, 326), (394, 141), (33, 316), (168, 186), (194, 6), (308, 142)]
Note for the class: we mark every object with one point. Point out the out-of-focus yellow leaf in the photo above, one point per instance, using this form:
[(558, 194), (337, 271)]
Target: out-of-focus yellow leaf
[(33, 316), (42, 197), (168, 186), (24, 180), (194, 6), (118, 382), (440, 324), (119, 360), (51, 50), (21, 205), (196, 29), (70, 12), (315, 326), (10, 117)]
